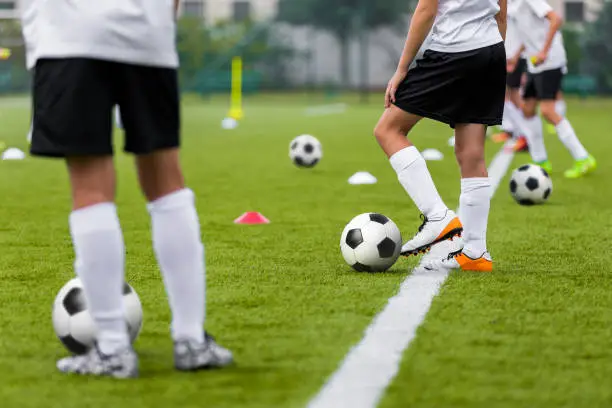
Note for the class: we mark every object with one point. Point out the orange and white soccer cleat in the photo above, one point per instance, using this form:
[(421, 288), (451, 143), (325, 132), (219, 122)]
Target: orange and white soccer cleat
[(459, 260), (433, 231)]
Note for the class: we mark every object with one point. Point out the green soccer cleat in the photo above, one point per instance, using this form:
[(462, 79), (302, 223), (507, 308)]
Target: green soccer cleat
[(581, 168), (546, 165)]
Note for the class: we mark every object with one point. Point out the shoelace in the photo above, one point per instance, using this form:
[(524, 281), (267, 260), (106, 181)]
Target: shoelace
[(425, 221), (454, 254)]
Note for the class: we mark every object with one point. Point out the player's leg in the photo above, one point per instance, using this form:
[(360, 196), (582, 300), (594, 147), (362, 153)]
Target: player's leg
[(72, 119), (439, 223), (533, 124), (550, 86), (508, 128), (150, 111)]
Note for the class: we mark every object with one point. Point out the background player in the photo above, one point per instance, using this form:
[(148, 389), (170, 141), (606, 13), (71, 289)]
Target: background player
[(538, 27), (511, 126), (459, 80), (89, 56)]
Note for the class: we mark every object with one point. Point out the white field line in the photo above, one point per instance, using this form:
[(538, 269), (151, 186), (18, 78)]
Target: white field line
[(369, 367)]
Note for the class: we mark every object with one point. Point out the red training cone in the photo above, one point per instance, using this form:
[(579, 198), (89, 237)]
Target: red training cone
[(251, 217)]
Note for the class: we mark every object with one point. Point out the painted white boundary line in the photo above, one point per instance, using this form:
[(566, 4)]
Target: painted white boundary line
[(369, 367)]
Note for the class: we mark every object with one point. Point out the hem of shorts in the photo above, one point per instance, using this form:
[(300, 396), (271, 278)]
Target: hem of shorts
[(61, 155), (140, 152), (446, 120)]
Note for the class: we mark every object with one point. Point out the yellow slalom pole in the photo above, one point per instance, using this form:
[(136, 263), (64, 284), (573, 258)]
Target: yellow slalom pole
[(236, 111)]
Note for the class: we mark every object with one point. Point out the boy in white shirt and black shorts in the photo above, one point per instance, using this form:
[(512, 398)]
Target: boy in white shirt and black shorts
[(459, 78), (538, 26), (87, 57)]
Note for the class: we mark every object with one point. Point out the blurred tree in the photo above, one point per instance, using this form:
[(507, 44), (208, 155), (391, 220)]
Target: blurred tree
[(598, 48), (572, 40), (339, 18)]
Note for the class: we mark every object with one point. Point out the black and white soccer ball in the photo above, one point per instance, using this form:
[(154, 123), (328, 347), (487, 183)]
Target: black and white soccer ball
[(305, 151), (371, 242), (530, 184), (73, 324)]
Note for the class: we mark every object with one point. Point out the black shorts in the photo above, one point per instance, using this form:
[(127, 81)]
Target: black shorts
[(452, 88), (513, 79), (544, 86), (73, 102)]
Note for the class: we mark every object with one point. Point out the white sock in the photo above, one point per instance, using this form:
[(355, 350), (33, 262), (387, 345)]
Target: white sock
[(561, 107), (180, 254), (507, 122), (474, 204), (100, 264), (535, 139), (570, 140), (414, 176), (518, 120)]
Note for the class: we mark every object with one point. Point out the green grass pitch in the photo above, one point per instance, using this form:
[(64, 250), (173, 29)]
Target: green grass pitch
[(535, 333)]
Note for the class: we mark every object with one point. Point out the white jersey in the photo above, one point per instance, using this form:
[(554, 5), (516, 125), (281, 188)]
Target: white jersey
[(533, 26), (464, 25), (140, 32), (513, 41)]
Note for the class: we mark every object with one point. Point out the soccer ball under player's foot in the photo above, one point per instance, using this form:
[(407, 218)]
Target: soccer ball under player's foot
[(581, 168), (433, 231)]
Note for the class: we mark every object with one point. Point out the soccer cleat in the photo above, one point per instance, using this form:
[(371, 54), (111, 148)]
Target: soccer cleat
[(581, 168), (123, 364), (459, 260), (546, 165), (192, 356), (501, 137), (433, 231), (521, 144)]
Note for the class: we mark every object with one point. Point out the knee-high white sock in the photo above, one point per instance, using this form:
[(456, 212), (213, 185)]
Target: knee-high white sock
[(570, 140), (535, 139), (414, 176), (507, 120), (100, 264), (180, 254), (561, 107), (474, 204)]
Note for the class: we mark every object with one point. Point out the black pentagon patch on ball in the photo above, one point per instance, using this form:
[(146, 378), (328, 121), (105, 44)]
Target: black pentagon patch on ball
[(524, 167), (545, 173), (532, 183), (299, 161), (294, 145), (526, 201), (308, 148), (379, 218), (126, 289), (74, 302), (361, 267), (354, 238), (386, 248), (315, 161), (547, 193), (73, 345), (513, 186)]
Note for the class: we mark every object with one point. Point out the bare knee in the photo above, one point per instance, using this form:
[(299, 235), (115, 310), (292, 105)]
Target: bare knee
[(469, 150), (549, 112), (160, 173), (529, 108), (392, 130), (92, 180)]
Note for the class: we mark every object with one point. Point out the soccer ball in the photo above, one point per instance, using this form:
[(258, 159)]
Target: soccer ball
[(73, 324), (530, 184), (371, 242), (305, 151)]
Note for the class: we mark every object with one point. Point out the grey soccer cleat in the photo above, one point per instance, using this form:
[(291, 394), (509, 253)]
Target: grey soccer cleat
[(123, 364), (191, 356)]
